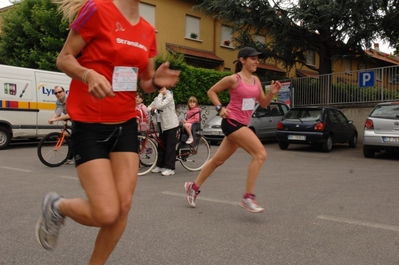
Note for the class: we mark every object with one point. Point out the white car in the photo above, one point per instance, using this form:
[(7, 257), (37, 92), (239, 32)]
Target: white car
[(263, 122), (381, 129)]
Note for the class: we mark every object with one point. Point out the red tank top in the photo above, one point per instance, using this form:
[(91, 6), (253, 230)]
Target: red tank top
[(111, 41)]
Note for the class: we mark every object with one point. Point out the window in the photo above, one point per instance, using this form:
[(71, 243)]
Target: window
[(377, 74), (192, 27), (262, 112), (275, 111), (285, 109), (333, 117), (310, 57), (341, 117), (260, 38), (148, 13), (347, 65), (226, 37)]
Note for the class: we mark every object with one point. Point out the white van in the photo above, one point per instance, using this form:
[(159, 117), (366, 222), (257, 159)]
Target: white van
[(27, 101)]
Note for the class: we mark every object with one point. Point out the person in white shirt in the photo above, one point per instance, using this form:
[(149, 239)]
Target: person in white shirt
[(165, 105)]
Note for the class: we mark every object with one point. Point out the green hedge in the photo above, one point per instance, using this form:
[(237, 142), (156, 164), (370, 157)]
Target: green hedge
[(193, 82)]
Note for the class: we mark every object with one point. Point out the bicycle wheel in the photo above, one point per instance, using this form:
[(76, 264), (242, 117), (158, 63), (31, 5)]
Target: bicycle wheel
[(50, 153), (148, 155), (194, 158)]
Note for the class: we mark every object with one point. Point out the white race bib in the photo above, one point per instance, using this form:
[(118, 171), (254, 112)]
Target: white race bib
[(248, 104), (124, 79)]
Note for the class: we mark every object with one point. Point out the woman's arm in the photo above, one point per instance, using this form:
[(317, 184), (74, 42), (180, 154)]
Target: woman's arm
[(99, 86), (228, 82), (151, 80), (264, 100)]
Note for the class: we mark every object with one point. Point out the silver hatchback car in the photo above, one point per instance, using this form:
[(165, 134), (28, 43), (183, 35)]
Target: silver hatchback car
[(381, 129), (263, 122)]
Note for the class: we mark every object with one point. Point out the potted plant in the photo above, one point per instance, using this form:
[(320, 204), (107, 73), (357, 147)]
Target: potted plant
[(193, 35), (226, 42)]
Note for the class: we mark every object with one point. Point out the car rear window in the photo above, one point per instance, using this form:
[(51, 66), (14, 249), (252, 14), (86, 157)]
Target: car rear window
[(386, 111), (304, 114)]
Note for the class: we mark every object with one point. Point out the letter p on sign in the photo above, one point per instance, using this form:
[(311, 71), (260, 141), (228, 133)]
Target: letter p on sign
[(366, 79)]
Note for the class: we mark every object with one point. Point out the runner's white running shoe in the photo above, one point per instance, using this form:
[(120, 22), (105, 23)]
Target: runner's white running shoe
[(49, 223)]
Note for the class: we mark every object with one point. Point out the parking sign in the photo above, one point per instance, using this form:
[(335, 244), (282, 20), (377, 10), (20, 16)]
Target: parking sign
[(366, 79)]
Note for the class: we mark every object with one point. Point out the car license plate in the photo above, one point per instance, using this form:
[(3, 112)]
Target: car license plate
[(390, 139), (215, 133), (297, 137)]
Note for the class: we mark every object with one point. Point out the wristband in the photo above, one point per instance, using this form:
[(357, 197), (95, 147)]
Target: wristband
[(155, 85), (84, 76)]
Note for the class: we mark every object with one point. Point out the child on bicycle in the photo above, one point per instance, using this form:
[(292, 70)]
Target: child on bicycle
[(165, 105), (193, 115)]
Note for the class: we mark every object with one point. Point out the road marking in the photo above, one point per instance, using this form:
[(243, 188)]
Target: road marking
[(357, 222), (17, 169), (69, 177), (201, 198)]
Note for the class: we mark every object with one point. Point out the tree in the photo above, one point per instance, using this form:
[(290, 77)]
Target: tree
[(390, 23), (32, 34), (332, 28)]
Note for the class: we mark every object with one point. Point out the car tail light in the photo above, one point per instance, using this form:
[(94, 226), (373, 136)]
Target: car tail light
[(369, 125), (280, 125), (319, 126)]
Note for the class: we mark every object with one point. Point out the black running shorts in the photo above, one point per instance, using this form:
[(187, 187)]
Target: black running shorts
[(229, 126), (95, 140)]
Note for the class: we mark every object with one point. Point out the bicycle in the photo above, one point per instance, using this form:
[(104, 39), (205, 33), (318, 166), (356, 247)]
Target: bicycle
[(191, 156), (54, 148)]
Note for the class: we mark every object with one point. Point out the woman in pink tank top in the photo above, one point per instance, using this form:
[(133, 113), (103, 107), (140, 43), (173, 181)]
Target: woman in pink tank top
[(245, 90)]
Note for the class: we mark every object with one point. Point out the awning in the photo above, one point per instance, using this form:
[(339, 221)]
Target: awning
[(304, 73), (194, 54), (271, 67)]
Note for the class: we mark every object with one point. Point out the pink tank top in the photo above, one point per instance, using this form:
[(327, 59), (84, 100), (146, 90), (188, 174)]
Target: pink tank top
[(242, 101)]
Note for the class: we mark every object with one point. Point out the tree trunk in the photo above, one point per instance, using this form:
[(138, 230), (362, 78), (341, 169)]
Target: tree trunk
[(325, 70)]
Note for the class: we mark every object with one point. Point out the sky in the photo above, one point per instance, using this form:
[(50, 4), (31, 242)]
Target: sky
[(383, 46), (4, 3)]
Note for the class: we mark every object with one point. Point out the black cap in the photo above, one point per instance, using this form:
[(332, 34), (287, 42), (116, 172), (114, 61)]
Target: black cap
[(249, 52)]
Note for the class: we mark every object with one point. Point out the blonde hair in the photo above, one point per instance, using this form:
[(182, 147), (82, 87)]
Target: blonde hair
[(192, 99), (69, 8)]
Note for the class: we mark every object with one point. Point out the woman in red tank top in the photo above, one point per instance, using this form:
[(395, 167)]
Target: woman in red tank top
[(245, 90), (109, 48)]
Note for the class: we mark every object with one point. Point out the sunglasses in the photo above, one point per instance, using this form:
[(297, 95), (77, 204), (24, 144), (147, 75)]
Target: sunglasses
[(59, 92)]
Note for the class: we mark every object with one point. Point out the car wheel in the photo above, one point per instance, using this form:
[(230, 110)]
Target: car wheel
[(368, 152), (326, 146), (5, 137), (353, 141), (283, 145)]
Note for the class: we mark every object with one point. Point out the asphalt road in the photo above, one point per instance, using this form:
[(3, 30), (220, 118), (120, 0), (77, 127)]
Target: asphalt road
[(320, 208)]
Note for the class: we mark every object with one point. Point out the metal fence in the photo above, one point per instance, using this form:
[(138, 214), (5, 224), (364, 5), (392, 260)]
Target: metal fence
[(362, 86)]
